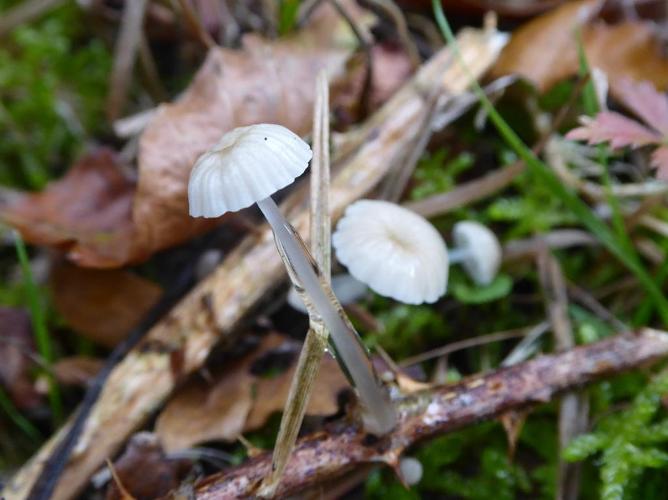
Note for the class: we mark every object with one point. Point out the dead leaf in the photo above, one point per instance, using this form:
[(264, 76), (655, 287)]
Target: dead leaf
[(614, 128), (545, 51), (103, 305), (648, 104), (660, 162), (239, 400), (512, 422), (261, 82), (76, 370), (87, 212), (16, 344), (144, 471), (96, 214)]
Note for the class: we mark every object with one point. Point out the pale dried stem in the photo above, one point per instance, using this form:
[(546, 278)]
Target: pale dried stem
[(125, 54), (573, 407), (193, 21), (213, 310), (315, 343), (24, 13), (558, 153), (400, 23)]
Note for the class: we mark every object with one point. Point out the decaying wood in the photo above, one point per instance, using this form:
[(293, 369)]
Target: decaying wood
[(181, 342), (341, 448)]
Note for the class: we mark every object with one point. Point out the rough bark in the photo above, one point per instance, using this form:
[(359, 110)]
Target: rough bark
[(341, 447)]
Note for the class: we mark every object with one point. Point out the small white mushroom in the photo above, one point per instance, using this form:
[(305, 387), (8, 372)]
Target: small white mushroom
[(395, 251), (411, 470), (478, 250), (248, 165), (346, 288)]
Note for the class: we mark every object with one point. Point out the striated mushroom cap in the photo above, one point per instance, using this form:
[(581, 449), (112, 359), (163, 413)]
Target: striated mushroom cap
[(483, 249), (396, 252), (245, 166)]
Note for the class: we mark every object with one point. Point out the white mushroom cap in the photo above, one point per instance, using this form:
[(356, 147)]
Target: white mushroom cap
[(346, 288), (396, 252), (245, 166), (411, 470), (483, 251)]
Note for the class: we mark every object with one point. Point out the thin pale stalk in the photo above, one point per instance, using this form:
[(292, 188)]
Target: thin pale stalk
[(378, 412), (315, 342)]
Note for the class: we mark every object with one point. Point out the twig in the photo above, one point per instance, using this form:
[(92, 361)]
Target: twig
[(397, 15), (215, 308), (315, 343), (573, 407), (364, 99), (150, 72), (25, 12), (125, 53), (192, 20), (465, 344), (586, 299), (557, 239), (56, 462), (340, 448), (478, 189)]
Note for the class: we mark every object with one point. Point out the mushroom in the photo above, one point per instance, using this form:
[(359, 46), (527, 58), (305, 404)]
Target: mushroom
[(346, 288), (395, 251), (411, 470), (478, 250), (247, 165)]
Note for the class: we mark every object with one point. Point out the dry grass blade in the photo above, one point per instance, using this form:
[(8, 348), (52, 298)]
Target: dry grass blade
[(142, 381), (125, 53), (573, 407), (316, 338), (24, 13)]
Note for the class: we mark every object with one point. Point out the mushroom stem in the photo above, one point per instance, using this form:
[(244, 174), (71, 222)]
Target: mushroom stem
[(380, 415), (457, 255)]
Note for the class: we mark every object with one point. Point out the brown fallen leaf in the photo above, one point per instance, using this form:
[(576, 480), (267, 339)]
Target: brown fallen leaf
[(86, 213), (98, 216), (103, 305), (144, 470), (261, 82), (76, 370), (240, 400), (16, 344), (647, 104), (544, 50)]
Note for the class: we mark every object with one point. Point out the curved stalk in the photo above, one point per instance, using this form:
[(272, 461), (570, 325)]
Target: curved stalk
[(457, 255), (380, 415)]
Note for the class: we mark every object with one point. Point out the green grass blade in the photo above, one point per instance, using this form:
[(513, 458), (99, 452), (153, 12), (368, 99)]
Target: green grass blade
[(19, 420), (39, 327), (600, 230), (591, 107)]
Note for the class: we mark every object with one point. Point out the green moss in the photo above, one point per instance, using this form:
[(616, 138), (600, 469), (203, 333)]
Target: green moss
[(52, 87)]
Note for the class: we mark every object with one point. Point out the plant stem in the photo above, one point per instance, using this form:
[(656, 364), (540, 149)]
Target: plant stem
[(315, 343), (39, 328), (380, 415), (457, 255)]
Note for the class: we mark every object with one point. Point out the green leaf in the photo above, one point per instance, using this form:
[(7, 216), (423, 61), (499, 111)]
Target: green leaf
[(474, 294)]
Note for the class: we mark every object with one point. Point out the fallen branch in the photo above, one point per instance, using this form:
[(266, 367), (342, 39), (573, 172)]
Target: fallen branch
[(341, 448), (181, 342)]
